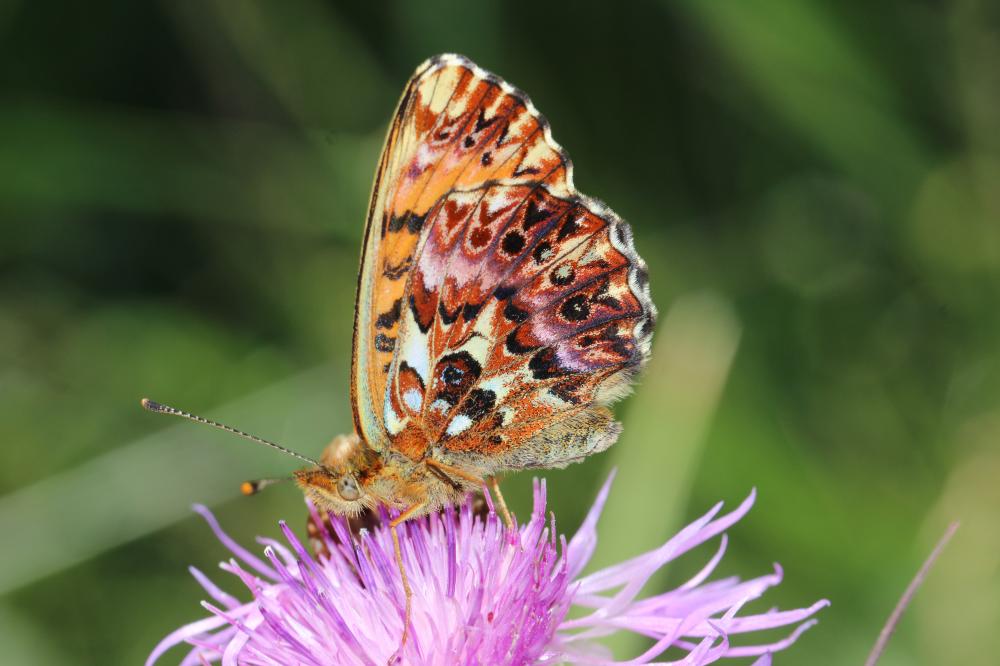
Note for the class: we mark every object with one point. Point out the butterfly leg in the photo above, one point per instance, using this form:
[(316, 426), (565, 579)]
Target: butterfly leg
[(495, 486), (409, 513), (449, 470)]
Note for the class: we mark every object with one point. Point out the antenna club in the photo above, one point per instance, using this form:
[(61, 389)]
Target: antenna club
[(150, 405), (254, 486)]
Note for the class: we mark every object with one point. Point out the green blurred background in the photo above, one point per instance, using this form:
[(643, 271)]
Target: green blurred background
[(814, 186)]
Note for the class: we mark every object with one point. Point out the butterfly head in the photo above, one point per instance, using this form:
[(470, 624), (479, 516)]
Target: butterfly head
[(342, 482)]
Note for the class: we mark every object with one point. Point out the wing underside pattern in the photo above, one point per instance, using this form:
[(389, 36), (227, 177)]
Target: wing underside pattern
[(498, 309)]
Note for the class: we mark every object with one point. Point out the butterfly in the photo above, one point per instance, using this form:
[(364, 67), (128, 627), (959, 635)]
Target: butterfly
[(498, 310), (498, 313)]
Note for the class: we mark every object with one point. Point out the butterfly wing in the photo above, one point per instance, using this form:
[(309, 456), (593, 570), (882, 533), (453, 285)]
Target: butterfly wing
[(498, 309), (455, 126)]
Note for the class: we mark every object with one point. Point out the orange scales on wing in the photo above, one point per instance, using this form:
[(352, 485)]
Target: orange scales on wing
[(456, 126)]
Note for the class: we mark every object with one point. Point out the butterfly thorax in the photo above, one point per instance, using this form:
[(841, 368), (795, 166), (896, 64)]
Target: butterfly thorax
[(353, 477)]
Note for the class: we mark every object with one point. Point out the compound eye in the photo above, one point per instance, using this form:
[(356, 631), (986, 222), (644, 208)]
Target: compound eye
[(348, 488)]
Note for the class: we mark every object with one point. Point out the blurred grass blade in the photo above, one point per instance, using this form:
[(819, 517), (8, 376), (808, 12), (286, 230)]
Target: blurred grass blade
[(235, 172), (320, 71), (149, 484), (664, 431), (958, 609), (26, 641), (802, 60), (666, 422)]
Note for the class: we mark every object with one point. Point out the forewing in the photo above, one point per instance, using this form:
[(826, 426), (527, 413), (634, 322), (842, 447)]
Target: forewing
[(456, 126)]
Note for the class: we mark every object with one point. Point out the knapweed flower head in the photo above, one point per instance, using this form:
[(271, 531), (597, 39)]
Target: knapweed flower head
[(483, 593)]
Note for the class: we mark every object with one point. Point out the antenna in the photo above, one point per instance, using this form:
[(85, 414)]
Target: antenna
[(254, 486), (151, 406)]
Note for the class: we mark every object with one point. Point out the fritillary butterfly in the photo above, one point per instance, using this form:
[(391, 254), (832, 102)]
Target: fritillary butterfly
[(499, 311)]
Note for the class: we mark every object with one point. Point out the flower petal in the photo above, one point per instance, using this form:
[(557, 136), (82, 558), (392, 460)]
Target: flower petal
[(482, 593)]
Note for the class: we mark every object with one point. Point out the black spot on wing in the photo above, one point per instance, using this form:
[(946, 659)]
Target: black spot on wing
[(408, 219), (471, 310), (389, 318), (394, 272), (478, 404), (396, 222), (534, 215), (512, 243), (415, 223), (384, 343), (603, 297), (562, 275), (482, 123), (515, 347), (514, 313), (542, 252), (503, 133), (544, 365), (454, 375), (575, 308), (569, 226), (448, 317), (502, 292), (622, 345), (568, 390)]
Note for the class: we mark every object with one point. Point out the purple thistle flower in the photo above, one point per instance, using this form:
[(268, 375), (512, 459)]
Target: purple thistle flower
[(482, 594)]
